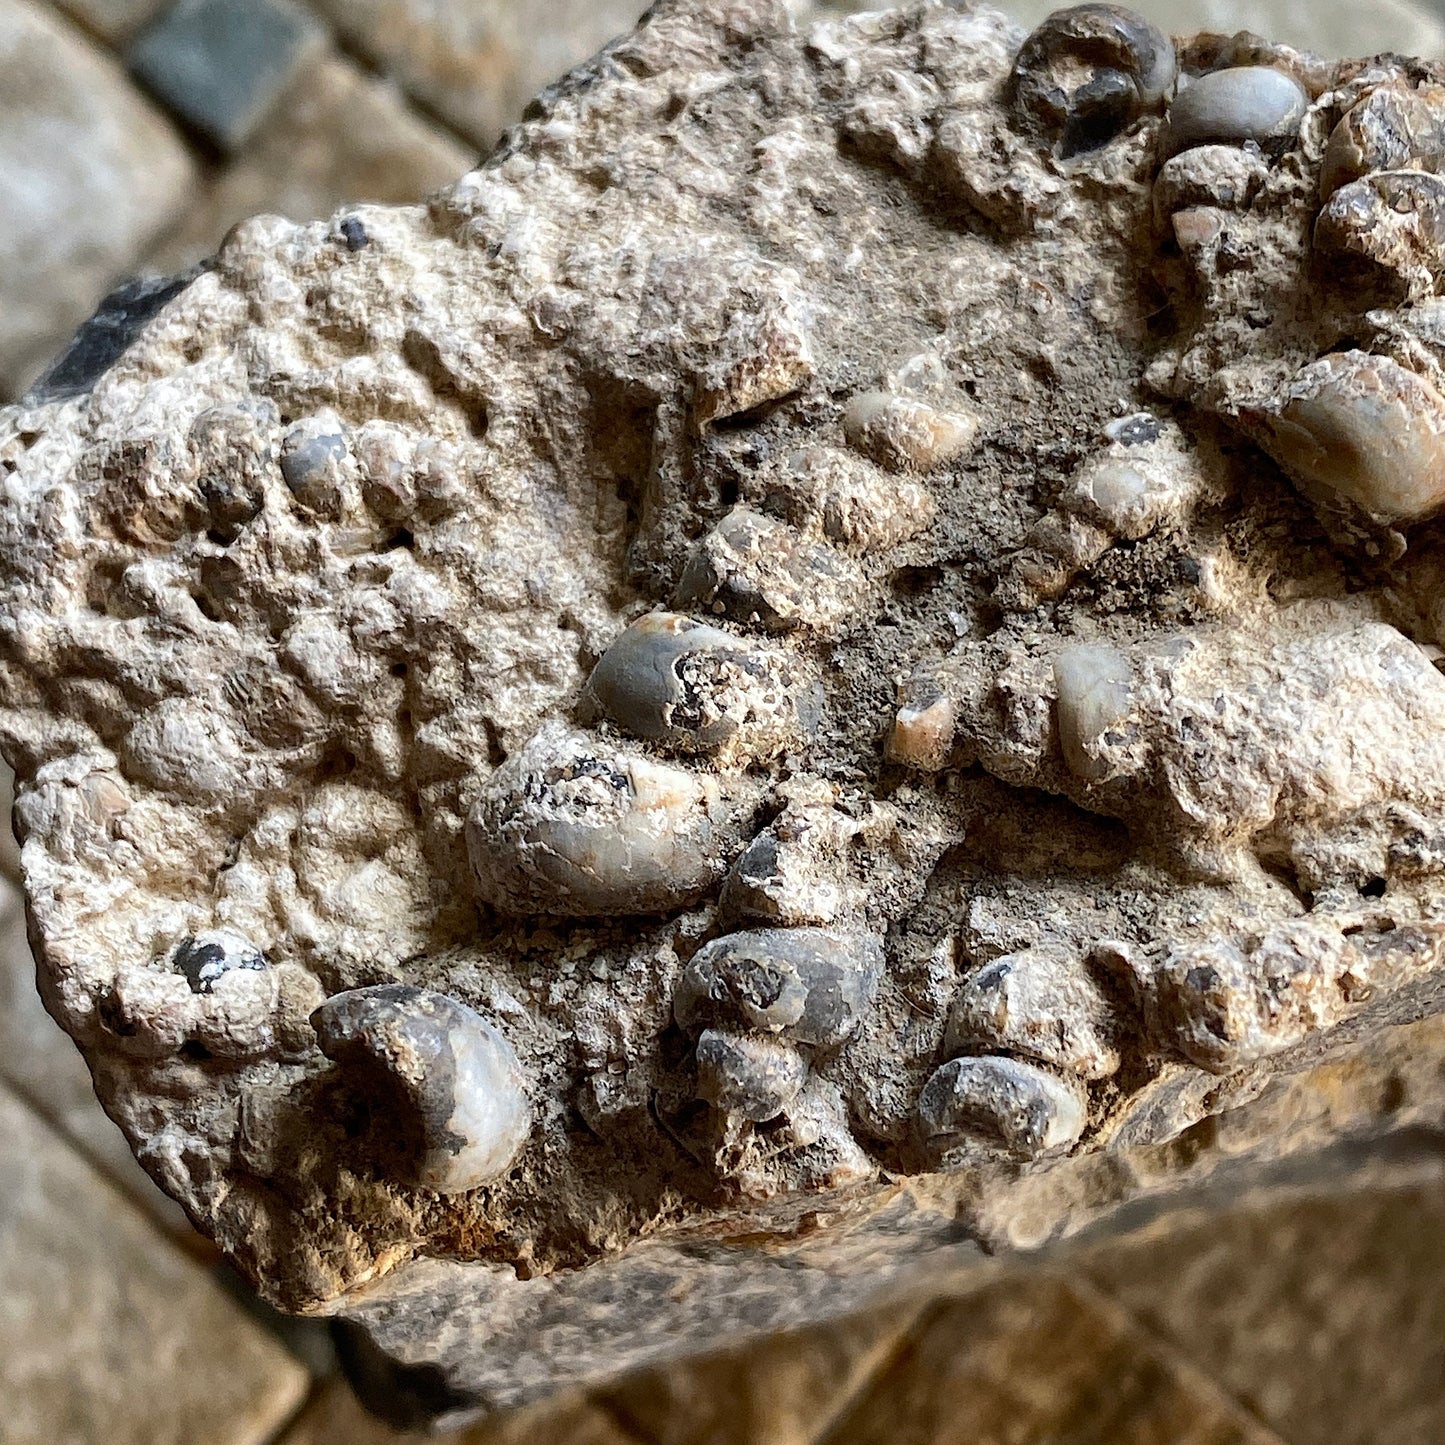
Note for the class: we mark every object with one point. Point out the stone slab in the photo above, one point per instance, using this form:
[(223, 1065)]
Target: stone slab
[(93, 173), (114, 21), (41, 1062), (784, 1391), (476, 63), (338, 135), (1035, 1359), (164, 1046), (1322, 1312), (335, 1417), (108, 1332), (220, 65)]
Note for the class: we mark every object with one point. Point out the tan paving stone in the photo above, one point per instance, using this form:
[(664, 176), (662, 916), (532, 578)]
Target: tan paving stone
[(9, 848), (92, 173), (114, 21), (1325, 1315), (335, 1418), (476, 63), (337, 136), (40, 1062), (1038, 1359), (782, 1392), (107, 1332)]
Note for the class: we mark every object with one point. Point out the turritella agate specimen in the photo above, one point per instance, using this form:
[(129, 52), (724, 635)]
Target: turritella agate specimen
[(805, 668)]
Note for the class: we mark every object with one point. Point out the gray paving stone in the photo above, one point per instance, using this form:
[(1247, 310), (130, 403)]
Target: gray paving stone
[(108, 1333), (105, 336), (338, 135), (476, 63), (221, 65), (92, 174), (9, 848)]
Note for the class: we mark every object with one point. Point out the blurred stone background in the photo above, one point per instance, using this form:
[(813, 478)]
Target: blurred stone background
[(133, 134)]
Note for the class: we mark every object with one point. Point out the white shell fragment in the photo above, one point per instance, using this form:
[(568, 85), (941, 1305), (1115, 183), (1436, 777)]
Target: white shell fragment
[(1129, 498), (573, 825), (1224, 1005), (751, 1077), (810, 985), (1216, 177), (1363, 429), (1394, 219), (1339, 715), (1144, 476), (904, 434), (811, 865), (1088, 71), (763, 573), (1094, 702), (1397, 126), (465, 1114), (1119, 492)]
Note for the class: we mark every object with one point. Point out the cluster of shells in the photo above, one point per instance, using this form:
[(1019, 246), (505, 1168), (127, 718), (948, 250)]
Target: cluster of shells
[(588, 823), (941, 749)]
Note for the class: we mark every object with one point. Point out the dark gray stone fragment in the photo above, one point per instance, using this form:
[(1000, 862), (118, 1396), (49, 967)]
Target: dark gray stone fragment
[(306, 462), (353, 233), (1135, 430), (810, 985), (205, 957), (102, 340), (1002, 1104), (220, 65)]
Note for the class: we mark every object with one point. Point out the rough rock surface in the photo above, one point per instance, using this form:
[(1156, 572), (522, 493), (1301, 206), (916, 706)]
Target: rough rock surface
[(857, 607)]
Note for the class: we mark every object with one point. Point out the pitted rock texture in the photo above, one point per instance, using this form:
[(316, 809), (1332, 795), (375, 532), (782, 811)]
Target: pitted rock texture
[(859, 602)]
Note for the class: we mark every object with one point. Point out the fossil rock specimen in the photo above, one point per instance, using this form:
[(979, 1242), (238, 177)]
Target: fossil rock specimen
[(859, 604)]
